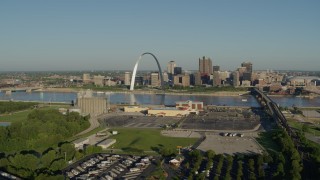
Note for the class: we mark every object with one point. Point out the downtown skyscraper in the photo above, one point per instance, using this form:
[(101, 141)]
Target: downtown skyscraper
[(205, 66)]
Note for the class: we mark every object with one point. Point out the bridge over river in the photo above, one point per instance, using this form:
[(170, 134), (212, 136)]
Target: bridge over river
[(25, 89)]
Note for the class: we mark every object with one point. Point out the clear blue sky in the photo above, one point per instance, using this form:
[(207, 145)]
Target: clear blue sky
[(110, 35)]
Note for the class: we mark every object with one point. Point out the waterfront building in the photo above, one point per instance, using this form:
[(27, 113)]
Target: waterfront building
[(154, 79), (98, 80), (86, 78), (190, 105), (127, 78), (236, 78), (197, 79), (110, 82), (91, 105), (165, 77), (182, 80), (205, 66), (139, 81), (216, 80)]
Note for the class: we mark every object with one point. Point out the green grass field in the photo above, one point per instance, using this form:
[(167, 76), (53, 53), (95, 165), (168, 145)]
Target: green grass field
[(311, 128), (147, 139)]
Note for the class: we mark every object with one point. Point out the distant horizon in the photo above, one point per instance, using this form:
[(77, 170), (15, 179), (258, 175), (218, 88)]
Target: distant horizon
[(146, 70)]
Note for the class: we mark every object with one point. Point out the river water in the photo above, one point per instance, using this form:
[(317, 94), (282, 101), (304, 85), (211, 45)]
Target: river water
[(127, 98)]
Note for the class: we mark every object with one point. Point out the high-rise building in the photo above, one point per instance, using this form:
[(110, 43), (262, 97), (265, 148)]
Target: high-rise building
[(247, 76), (177, 70), (236, 78), (155, 79), (127, 78), (215, 68), (205, 65), (197, 79), (170, 67), (165, 77), (248, 66), (216, 80), (139, 81)]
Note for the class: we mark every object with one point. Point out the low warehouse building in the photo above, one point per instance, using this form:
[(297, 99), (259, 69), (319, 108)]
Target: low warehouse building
[(79, 143), (107, 143), (168, 112), (135, 109)]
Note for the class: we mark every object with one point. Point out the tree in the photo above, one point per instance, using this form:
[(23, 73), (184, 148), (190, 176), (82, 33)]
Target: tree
[(279, 173), (210, 154), (47, 158), (92, 149), (67, 150), (57, 164), (167, 152)]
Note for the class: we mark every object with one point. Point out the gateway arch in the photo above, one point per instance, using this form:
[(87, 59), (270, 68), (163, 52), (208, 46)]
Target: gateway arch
[(136, 67)]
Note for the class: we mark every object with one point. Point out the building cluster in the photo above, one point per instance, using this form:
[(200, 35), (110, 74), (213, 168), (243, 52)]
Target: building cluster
[(207, 74), (99, 80), (182, 108)]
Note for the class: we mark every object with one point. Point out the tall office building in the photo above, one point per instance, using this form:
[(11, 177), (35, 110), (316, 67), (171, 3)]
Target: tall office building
[(155, 79), (215, 68), (248, 66), (127, 78), (177, 70), (170, 67), (236, 78), (197, 79), (216, 80), (205, 65), (165, 77)]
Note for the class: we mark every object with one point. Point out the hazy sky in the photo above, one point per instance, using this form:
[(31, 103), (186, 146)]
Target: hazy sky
[(110, 35)]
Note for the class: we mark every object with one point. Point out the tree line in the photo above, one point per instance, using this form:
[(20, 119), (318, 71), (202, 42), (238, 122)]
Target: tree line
[(10, 106), (36, 148)]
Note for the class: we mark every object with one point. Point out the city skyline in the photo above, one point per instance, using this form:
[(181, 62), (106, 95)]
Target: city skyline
[(103, 35)]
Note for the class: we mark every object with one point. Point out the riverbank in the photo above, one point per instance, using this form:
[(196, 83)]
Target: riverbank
[(219, 93)]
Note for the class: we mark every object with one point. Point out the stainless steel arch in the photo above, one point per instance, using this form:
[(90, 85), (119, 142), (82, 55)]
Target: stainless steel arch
[(136, 67)]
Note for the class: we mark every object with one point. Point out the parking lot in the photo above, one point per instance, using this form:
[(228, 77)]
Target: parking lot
[(138, 121), (111, 166), (222, 120)]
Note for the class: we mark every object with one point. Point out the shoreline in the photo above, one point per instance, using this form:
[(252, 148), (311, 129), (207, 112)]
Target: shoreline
[(219, 93)]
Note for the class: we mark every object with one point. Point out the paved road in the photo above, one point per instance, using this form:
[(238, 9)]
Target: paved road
[(94, 123)]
